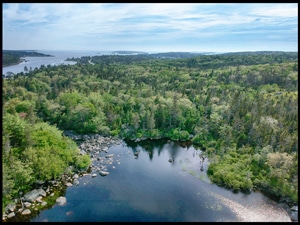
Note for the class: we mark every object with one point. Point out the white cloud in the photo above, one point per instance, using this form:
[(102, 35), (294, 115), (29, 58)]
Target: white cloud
[(277, 10), (63, 24)]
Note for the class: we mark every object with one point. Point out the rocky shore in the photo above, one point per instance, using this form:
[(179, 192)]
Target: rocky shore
[(95, 145), (39, 198)]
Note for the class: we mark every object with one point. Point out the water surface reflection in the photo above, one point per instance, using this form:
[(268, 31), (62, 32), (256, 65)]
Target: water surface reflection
[(145, 187)]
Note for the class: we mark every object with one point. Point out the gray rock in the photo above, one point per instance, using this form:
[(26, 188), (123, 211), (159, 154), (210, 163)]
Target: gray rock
[(27, 204), (11, 207), (69, 184), (39, 199), (42, 192), (34, 194), (294, 216), (4, 217), (44, 203), (109, 155), (294, 208), (61, 200), (26, 212), (103, 173), (20, 210), (10, 215)]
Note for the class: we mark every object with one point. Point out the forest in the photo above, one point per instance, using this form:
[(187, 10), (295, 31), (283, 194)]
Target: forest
[(241, 109), (12, 57)]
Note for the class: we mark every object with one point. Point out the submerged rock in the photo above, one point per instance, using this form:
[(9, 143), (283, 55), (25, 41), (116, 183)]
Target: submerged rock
[(103, 173), (109, 155)]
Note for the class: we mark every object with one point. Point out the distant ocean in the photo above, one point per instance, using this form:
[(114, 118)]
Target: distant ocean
[(58, 58)]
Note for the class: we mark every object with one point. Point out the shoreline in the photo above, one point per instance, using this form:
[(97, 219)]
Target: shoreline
[(257, 212), (252, 213), (13, 64)]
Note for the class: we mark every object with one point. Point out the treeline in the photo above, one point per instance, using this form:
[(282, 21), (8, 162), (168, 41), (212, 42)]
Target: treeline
[(8, 59), (242, 109), (12, 57)]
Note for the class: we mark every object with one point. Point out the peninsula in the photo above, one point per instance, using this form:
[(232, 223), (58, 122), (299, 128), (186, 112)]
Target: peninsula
[(13, 57)]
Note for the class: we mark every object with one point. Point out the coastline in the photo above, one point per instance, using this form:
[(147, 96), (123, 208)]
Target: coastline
[(14, 64)]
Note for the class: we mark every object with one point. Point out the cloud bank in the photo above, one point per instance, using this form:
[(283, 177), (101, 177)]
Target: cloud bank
[(151, 27)]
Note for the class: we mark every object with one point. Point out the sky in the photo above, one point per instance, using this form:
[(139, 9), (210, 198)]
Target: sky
[(151, 27)]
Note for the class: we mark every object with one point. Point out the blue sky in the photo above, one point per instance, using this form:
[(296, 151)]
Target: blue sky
[(151, 27)]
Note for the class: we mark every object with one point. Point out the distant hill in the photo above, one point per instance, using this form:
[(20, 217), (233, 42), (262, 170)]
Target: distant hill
[(258, 52), (128, 52), (176, 54), (12, 57)]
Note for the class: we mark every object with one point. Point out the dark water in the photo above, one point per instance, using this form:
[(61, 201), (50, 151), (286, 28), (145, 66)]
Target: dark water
[(148, 189)]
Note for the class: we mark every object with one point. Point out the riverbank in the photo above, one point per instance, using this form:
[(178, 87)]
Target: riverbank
[(47, 193), (257, 211)]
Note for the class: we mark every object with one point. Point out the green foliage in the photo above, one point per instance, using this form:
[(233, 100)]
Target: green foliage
[(242, 108), (232, 172), (14, 128), (40, 152), (11, 57), (82, 162)]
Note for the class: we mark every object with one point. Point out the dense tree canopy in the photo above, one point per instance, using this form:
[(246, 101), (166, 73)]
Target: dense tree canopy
[(242, 109)]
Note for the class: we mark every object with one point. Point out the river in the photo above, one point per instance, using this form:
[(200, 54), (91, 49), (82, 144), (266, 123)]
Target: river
[(146, 187)]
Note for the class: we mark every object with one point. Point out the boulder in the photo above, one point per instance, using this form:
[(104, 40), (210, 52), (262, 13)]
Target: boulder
[(294, 208), (294, 216), (103, 173), (69, 184), (109, 155), (61, 200), (11, 207), (34, 194), (10, 215), (26, 212), (42, 192), (27, 204), (44, 203)]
